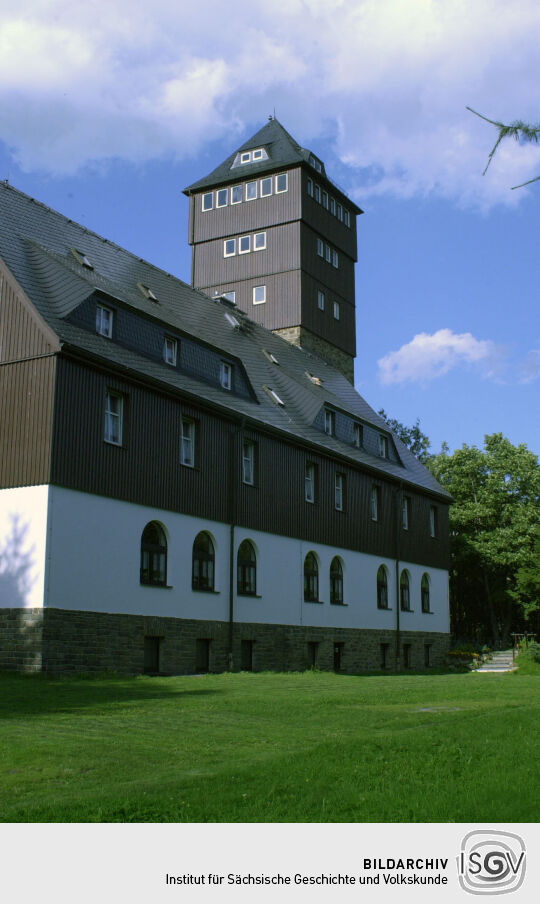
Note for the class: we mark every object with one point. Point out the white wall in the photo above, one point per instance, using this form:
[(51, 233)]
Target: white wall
[(95, 561), (23, 532)]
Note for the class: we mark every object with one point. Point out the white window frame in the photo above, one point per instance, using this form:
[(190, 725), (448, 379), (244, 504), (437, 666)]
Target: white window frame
[(104, 326), (357, 435), (239, 190), (279, 176), (346, 218), (257, 154), (383, 446), (229, 296), (320, 299), (248, 462), (317, 193), (338, 492), (259, 247), (320, 248), (332, 207), (225, 375), (222, 191), (309, 187), (170, 348), (254, 197), (327, 253), (329, 422), (229, 253), (246, 239), (245, 157), (112, 436), (374, 503), (187, 442), (262, 300), (335, 259), (309, 482), (324, 200), (339, 211), (266, 194), (208, 194), (336, 310)]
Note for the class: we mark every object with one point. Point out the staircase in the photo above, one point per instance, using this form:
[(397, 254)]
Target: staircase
[(501, 661)]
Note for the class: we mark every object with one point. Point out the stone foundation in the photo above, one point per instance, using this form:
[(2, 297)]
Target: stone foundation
[(63, 641), (298, 335)]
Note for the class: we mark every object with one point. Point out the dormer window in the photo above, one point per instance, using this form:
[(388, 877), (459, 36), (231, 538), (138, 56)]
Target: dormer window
[(357, 436), (104, 321), (82, 258), (383, 446), (257, 155), (225, 375), (329, 422), (170, 347), (253, 156), (146, 291), (245, 157), (316, 164)]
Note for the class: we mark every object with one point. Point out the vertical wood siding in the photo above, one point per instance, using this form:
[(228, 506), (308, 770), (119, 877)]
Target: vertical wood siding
[(282, 253), (146, 469), (26, 406), (282, 307)]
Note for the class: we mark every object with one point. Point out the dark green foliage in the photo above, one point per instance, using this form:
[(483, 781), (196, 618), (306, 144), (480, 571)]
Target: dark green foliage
[(494, 532)]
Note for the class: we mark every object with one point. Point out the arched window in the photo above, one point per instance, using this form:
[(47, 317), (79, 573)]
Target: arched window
[(154, 555), (202, 577), (382, 588), (336, 581), (424, 590), (404, 591), (311, 579), (246, 563)]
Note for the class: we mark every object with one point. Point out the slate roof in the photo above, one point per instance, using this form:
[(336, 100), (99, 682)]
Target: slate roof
[(283, 151), (35, 245)]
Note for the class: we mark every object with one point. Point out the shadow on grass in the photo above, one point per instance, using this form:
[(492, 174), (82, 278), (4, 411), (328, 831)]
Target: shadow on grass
[(24, 695)]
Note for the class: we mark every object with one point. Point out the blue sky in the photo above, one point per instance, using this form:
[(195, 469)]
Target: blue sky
[(106, 117)]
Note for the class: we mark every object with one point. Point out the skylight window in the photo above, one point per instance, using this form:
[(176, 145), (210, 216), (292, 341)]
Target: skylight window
[(82, 258), (232, 321), (274, 396), (272, 358), (146, 291), (314, 379)]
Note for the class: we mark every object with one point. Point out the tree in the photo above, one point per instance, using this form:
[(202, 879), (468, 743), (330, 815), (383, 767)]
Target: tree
[(521, 131), (494, 530), (412, 437)]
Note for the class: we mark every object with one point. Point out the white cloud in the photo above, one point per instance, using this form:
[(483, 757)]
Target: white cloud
[(427, 357), (388, 79), (530, 367)]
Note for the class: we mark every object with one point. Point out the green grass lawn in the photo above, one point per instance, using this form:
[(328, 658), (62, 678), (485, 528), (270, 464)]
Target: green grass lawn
[(311, 747)]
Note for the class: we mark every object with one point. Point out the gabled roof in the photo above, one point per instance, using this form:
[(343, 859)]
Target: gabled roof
[(283, 151), (36, 246)]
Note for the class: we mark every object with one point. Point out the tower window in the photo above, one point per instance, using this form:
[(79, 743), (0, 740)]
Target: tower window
[(221, 197), (335, 259), (320, 247), (236, 194), (327, 253), (229, 247), (336, 310), (251, 191), (320, 300), (309, 187), (281, 183), (325, 200), (339, 212), (245, 157), (333, 206), (208, 201), (259, 241), (266, 187), (346, 218), (259, 294), (244, 244), (317, 194)]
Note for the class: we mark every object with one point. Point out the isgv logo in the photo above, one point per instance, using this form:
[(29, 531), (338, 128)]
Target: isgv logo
[(491, 862)]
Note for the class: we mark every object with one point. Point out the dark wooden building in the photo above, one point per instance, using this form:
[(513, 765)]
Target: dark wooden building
[(183, 489)]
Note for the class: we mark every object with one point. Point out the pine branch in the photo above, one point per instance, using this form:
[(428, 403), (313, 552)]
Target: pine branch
[(519, 130)]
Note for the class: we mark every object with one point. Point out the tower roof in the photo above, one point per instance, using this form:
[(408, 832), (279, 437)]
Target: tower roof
[(281, 151)]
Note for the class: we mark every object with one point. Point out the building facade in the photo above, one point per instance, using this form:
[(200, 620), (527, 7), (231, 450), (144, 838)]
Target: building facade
[(184, 490)]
